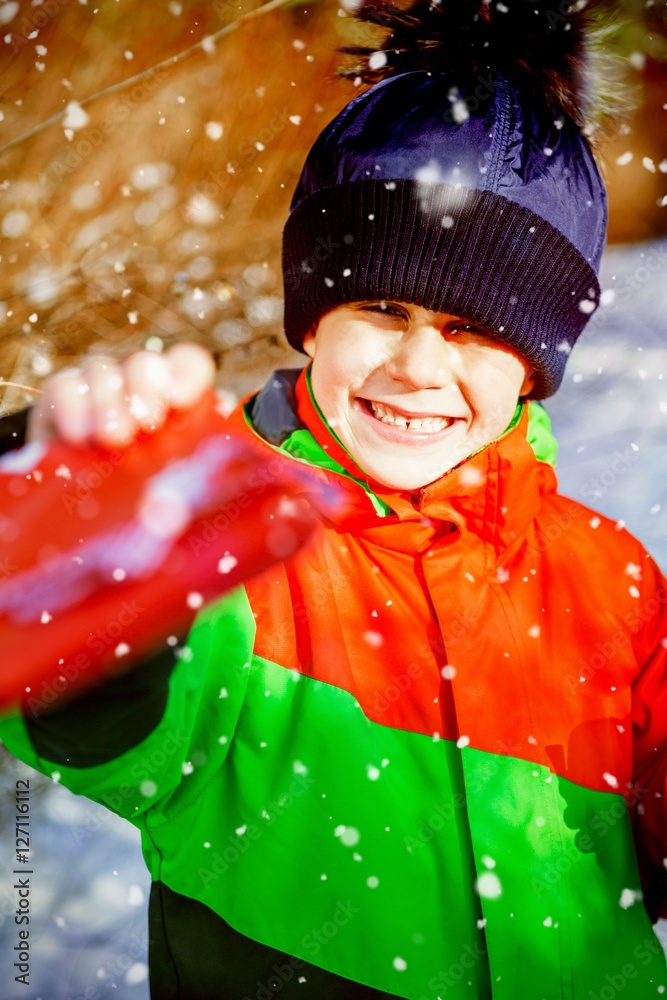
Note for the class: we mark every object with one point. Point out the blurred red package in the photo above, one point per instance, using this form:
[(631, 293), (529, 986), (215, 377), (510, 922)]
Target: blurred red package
[(107, 554)]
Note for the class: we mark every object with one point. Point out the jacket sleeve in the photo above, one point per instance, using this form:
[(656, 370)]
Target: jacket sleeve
[(151, 739), (649, 718), (98, 725), (126, 743)]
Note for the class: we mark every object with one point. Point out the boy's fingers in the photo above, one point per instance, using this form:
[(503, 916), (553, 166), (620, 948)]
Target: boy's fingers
[(148, 388), (106, 403), (62, 411), (192, 371), (112, 423)]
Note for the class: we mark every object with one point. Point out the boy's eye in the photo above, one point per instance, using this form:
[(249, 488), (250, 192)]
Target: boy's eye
[(469, 328), (385, 309)]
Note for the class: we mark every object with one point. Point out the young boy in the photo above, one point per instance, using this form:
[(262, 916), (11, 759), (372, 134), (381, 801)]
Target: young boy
[(425, 756)]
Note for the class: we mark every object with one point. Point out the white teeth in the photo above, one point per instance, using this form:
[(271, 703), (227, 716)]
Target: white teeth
[(428, 425)]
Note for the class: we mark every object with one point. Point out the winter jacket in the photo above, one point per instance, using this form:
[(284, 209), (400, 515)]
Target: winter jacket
[(424, 757)]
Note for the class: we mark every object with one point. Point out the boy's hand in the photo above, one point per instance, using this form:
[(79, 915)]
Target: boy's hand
[(106, 402)]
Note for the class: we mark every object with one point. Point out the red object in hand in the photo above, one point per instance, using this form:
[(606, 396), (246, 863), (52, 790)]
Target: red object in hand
[(107, 554)]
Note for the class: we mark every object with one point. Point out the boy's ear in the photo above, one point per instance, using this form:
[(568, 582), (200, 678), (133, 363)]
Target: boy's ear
[(308, 342), (528, 384)]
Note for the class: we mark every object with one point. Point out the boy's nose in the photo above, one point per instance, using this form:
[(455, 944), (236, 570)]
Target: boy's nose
[(424, 359)]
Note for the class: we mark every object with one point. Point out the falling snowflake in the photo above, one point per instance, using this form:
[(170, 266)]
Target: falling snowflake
[(488, 886), (15, 223), (374, 639), (214, 130), (137, 973), (625, 158), (629, 897), (135, 895), (377, 60), (349, 835), (227, 563), (75, 117)]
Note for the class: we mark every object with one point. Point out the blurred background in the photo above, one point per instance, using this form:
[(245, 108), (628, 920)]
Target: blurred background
[(155, 210), (146, 167)]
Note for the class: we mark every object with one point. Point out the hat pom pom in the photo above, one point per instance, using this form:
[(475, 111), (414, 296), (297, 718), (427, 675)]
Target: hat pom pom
[(553, 53)]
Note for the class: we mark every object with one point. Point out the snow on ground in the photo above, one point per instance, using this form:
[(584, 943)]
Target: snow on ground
[(89, 890), (88, 929), (610, 416)]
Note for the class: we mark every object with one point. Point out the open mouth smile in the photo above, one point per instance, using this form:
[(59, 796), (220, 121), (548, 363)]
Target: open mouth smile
[(398, 424), (426, 424)]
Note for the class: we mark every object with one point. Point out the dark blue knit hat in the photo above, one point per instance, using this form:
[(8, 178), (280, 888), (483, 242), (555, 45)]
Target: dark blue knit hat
[(470, 190)]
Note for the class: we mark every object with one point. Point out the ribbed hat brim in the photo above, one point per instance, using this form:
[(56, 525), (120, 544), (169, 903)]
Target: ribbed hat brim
[(447, 248)]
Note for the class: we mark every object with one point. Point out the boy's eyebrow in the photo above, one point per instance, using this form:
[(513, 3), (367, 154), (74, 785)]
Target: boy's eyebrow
[(383, 305), (380, 302), (463, 320)]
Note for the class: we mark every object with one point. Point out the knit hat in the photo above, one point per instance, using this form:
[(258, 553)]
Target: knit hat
[(462, 181)]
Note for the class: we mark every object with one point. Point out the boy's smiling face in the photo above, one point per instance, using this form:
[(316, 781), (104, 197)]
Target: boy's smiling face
[(409, 392)]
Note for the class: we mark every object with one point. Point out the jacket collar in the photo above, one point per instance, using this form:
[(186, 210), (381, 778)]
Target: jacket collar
[(494, 495)]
